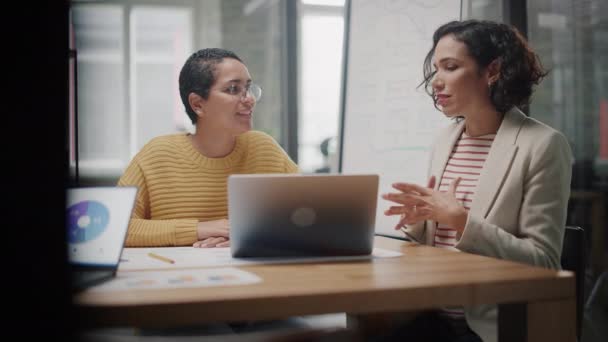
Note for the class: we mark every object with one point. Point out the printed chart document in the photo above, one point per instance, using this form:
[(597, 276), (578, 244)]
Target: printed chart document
[(190, 257), (224, 276)]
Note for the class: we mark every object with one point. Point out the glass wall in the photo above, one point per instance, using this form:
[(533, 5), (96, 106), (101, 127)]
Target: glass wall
[(160, 41), (100, 43), (321, 37), (571, 38)]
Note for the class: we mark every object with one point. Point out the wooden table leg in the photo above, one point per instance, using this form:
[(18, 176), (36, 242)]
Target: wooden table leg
[(538, 321)]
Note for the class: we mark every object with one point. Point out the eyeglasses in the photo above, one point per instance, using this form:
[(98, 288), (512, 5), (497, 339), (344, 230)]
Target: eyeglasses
[(242, 92)]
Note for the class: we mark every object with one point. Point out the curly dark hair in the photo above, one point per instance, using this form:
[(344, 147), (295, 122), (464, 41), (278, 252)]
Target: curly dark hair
[(198, 75), (520, 67)]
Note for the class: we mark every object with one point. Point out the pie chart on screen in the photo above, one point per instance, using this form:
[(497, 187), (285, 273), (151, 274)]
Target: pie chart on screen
[(86, 221)]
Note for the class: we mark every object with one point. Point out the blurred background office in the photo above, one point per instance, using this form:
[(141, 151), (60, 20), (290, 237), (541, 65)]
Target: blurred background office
[(127, 55)]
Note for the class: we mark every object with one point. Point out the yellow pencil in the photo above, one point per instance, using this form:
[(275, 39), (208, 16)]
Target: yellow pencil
[(161, 258)]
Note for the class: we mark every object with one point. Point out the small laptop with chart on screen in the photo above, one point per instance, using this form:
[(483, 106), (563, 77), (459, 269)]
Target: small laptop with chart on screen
[(97, 222), (294, 215)]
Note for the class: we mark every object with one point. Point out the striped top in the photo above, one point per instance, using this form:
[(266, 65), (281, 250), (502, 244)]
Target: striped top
[(466, 161), (178, 187)]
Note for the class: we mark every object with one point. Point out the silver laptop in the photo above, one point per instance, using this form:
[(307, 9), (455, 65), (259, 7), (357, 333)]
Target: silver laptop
[(97, 221), (301, 215)]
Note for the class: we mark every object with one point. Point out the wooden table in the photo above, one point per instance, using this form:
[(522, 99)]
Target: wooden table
[(533, 302)]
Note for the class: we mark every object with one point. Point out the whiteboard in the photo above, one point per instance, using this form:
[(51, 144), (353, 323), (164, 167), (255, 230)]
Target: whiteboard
[(388, 124)]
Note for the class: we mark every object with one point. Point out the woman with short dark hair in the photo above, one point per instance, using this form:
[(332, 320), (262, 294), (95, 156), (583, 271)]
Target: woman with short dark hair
[(499, 181), (182, 178)]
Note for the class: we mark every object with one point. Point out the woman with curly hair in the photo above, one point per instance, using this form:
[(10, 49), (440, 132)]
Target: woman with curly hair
[(499, 181)]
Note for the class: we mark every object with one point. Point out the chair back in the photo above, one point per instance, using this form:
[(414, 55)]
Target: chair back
[(574, 259)]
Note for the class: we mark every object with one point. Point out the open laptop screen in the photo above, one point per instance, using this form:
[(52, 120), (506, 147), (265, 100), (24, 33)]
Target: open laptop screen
[(285, 215), (97, 222)]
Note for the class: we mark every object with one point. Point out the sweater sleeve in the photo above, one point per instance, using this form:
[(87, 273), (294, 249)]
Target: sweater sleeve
[(269, 154), (290, 166), (144, 232), (542, 216)]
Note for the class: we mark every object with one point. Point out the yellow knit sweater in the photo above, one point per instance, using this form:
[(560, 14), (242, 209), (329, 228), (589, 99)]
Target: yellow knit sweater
[(179, 187)]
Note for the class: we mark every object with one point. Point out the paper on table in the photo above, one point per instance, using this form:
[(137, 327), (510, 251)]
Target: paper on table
[(178, 279), (188, 257)]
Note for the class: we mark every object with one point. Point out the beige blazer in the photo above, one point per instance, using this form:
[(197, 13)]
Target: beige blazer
[(519, 209)]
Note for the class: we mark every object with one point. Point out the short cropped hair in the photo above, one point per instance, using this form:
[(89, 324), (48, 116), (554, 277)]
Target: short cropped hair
[(198, 75), (520, 67)]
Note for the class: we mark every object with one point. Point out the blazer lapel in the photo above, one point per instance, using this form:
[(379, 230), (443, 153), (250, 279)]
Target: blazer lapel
[(498, 163)]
